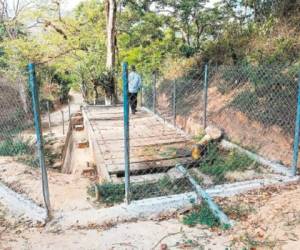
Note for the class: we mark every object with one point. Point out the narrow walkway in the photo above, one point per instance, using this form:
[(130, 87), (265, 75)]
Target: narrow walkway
[(155, 146)]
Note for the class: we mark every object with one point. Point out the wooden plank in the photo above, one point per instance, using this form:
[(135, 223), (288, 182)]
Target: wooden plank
[(149, 178), (145, 143), (116, 153), (136, 140), (150, 159), (162, 165), (149, 141)]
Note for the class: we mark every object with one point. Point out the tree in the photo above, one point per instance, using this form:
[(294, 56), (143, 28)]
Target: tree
[(111, 12)]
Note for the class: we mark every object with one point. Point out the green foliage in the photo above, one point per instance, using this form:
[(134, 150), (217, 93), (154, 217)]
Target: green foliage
[(73, 46), (201, 214), (15, 147), (110, 193), (238, 211), (44, 105), (261, 89), (217, 163)]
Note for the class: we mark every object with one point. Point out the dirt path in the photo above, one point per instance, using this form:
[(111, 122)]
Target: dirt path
[(140, 235), (67, 191), (265, 219)]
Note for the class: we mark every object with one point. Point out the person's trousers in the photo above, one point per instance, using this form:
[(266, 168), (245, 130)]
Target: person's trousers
[(133, 101)]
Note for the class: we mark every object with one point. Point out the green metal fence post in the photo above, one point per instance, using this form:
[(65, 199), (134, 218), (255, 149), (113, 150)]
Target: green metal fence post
[(174, 102), (205, 96), (126, 132), (297, 130), (39, 135)]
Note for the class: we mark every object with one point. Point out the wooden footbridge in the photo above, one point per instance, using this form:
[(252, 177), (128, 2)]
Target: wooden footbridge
[(155, 146)]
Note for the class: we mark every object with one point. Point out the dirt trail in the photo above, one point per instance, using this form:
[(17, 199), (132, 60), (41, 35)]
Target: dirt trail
[(264, 219), (67, 191), (141, 235)]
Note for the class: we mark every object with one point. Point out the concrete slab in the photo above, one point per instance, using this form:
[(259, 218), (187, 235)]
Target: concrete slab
[(21, 207)]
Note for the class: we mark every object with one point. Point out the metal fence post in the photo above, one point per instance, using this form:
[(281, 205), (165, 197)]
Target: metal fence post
[(39, 135), (154, 93), (205, 96), (297, 130), (126, 132), (174, 102), (49, 116)]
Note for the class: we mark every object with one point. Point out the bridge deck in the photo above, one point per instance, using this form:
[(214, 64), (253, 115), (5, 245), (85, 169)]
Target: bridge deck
[(154, 145)]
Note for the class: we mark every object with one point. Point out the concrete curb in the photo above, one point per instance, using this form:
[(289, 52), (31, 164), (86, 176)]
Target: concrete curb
[(276, 167), (156, 207), (22, 208)]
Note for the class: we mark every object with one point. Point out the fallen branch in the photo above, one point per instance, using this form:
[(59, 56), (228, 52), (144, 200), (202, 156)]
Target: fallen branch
[(165, 237)]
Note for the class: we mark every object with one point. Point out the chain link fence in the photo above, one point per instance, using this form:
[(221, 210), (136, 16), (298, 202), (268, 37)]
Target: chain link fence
[(21, 139), (256, 107), (222, 124), (253, 107), (16, 120)]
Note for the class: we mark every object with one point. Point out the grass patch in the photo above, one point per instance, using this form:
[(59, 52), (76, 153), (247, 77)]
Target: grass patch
[(217, 163), (201, 215), (199, 137), (238, 211), (196, 177), (15, 147), (24, 151), (111, 193), (251, 242), (169, 152)]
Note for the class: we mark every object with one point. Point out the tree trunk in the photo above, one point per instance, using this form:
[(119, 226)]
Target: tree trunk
[(111, 10), (23, 95)]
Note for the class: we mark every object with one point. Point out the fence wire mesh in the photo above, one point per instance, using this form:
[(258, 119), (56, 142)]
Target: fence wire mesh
[(18, 147), (256, 108), (185, 119), (252, 106), (16, 120)]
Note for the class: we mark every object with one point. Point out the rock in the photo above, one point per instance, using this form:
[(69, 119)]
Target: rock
[(206, 180), (77, 120), (78, 113), (78, 127), (88, 172), (57, 165), (163, 246), (174, 174), (83, 144), (213, 132)]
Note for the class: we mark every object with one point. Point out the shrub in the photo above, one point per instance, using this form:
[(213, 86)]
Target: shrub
[(201, 215), (217, 163), (111, 193), (10, 147)]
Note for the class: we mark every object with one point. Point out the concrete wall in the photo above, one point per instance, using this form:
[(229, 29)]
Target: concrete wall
[(103, 175), (67, 152)]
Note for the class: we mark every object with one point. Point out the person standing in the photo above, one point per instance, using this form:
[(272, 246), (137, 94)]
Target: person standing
[(134, 85)]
